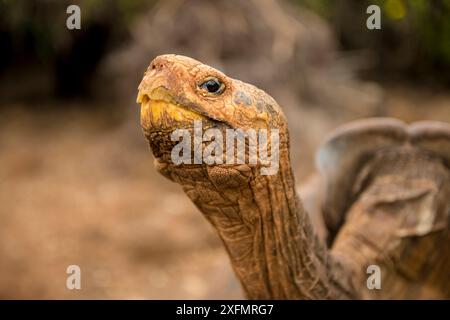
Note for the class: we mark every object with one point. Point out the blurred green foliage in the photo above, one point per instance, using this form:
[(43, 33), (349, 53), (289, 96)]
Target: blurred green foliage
[(415, 34), (431, 20), (414, 40), (40, 26), (34, 33)]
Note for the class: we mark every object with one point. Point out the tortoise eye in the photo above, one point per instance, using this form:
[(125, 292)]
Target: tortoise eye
[(212, 85)]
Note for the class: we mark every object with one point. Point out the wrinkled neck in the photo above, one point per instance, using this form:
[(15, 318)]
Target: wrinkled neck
[(270, 240)]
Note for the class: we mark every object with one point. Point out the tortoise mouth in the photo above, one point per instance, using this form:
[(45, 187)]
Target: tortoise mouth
[(161, 112), (162, 116)]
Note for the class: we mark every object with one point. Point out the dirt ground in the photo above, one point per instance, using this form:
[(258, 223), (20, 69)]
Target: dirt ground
[(79, 188)]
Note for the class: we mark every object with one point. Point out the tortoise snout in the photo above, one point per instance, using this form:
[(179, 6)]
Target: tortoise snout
[(161, 63)]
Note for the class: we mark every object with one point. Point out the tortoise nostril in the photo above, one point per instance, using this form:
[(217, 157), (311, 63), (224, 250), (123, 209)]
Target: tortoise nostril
[(157, 66)]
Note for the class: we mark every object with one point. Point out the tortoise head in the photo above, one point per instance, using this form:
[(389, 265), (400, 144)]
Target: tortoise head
[(180, 93)]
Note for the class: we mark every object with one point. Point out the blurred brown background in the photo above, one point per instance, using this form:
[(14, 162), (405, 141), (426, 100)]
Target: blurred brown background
[(77, 185)]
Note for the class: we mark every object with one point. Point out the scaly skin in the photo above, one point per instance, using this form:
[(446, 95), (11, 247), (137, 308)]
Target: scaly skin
[(260, 219)]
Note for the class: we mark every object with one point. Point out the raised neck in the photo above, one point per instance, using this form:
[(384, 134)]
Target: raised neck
[(269, 237)]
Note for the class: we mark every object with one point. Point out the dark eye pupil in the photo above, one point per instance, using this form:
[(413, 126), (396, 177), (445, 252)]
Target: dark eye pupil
[(212, 86)]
